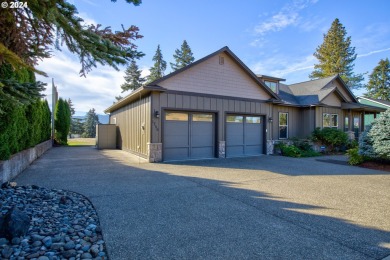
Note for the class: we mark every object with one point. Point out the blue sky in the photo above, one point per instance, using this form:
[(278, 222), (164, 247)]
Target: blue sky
[(276, 38)]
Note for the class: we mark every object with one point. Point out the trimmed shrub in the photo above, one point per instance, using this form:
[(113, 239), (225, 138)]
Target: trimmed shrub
[(354, 158), (333, 138), (62, 122)]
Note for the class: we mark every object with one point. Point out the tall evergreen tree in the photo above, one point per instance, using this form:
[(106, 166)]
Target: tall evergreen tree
[(92, 119), (133, 79), (183, 57), (379, 81), (336, 56), (61, 121), (30, 33), (71, 107), (160, 65)]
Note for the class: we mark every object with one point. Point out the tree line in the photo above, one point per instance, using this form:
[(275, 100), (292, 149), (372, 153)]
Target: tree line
[(133, 78), (28, 35), (335, 56), (65, 124)]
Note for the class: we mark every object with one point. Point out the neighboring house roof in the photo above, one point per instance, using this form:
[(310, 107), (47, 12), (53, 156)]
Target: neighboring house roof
[(374, 102), (234, 58)]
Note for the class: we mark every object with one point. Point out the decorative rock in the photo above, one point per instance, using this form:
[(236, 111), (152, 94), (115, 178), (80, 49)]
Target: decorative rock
[(56, 246), (7, 252), (73, 223), (15, 241), (47, 241), (86, 256), (69, 253), (16, 223), (69, 245), (3, 241), (95, 250)]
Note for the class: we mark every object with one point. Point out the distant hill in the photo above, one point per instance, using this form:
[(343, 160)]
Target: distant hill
[(103, 119)]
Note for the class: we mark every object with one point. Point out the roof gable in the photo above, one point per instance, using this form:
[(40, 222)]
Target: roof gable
[(220, 73), (322, 91)]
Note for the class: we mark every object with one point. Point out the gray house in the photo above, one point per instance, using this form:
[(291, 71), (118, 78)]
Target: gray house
[(217, 107)]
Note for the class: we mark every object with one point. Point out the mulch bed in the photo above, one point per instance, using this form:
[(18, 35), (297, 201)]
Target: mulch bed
[(376, 166)]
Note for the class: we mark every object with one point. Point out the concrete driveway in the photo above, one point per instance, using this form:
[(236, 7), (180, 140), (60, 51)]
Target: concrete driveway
[(265, 207)]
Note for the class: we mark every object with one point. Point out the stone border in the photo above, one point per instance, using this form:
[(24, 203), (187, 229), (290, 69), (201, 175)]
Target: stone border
[(18, 162)]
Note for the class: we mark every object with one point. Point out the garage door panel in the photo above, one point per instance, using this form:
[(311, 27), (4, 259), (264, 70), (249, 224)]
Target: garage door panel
[(202, 134), (176, 134), (233, 151), (234, 134), (253, 149), (176, 154), (202, 152)]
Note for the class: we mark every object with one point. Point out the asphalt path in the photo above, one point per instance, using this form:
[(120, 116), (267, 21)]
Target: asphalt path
[(265, 207)]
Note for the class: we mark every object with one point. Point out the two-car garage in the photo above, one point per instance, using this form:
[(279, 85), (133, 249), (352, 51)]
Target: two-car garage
[(193, 135)]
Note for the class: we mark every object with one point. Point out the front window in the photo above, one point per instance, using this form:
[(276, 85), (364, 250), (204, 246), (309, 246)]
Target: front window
[(283, 125), (330, 120), (272, 85), (346, 123)]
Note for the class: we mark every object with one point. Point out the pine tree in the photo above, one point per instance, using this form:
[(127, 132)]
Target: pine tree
[(379, 135), (183, 57), (133, 79), (379, 81), (71, 107), (92, 119), (160, 65), (336, 56)]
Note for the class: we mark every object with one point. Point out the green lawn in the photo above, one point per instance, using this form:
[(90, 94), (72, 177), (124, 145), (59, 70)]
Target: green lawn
[(81, 141)]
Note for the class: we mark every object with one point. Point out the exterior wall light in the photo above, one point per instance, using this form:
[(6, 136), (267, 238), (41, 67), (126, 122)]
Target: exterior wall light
[(156, 114), (270, 119)]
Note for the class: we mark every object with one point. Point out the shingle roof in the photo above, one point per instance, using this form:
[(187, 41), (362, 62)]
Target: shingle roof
[(308, 92)]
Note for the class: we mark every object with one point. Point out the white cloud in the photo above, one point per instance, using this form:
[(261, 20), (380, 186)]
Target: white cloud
[(97, 90), (279, 66), (372, 52), (288, 15)]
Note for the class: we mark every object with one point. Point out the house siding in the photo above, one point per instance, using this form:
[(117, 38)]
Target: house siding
[(332, 100), (133, 126), (330, 110), (210, 77), (341, 89), (220, 106), (294, 121)]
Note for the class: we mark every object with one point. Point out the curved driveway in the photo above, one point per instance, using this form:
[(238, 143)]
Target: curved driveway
[(266, 207)]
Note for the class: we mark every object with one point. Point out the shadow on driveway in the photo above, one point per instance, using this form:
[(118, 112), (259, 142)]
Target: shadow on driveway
[(261, 207)]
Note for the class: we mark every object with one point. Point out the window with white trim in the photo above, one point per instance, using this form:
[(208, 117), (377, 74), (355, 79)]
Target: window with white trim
[(283, 125), (330, 120)]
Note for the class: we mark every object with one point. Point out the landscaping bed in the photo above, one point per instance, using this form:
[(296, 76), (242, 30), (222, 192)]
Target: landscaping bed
[(44, 224)]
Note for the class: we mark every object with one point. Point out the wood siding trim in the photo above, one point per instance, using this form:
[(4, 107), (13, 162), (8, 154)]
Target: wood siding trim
[(134, 126)]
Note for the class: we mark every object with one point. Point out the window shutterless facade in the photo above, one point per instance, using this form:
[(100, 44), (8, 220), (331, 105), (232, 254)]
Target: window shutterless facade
[(283, 125), (330, 120)]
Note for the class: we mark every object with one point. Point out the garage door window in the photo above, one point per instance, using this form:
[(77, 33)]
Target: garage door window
[(202, 117), (253, 120), (234, 119), (173, 116)]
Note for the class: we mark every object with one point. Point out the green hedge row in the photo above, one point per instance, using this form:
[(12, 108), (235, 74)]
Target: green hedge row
[(24, 126)]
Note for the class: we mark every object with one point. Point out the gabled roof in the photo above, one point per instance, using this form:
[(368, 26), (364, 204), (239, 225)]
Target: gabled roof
[(312, 92), (234, 58)]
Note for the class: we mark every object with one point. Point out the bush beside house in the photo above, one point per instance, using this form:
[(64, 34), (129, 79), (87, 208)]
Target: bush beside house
[(24, 126)]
